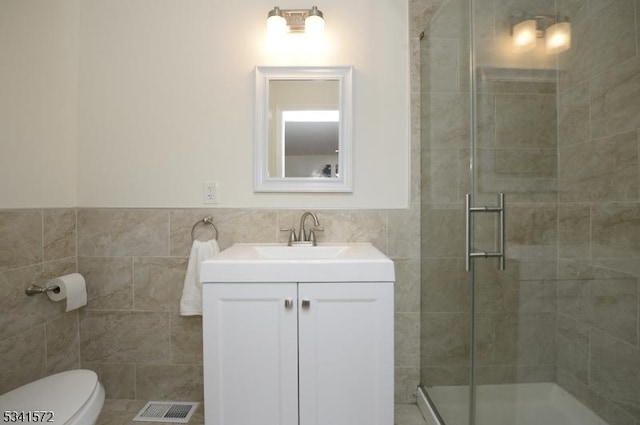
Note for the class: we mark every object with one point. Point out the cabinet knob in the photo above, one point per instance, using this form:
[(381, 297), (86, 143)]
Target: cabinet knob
[(306, 303), (288, 303)]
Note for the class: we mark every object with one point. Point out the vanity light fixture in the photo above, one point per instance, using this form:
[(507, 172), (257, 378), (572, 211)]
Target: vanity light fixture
[(524, 36), (558, 37), (308, 21), (528, 28)]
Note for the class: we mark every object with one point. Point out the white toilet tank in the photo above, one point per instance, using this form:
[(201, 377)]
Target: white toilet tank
[(73, 397)]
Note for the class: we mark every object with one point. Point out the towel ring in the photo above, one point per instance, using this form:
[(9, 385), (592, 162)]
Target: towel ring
[(206, 220)]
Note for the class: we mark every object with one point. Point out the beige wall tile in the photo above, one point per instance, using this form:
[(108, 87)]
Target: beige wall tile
[(18, 313), (20, 238), (616, 231), (62, 343), (118, 380), (186, 339), (443, 73), (604, 408), (572, 347), (341, 226), (169, 382), (124, 337), (526, 286), (407, 286), (448, 117), (487, 375), (443, 172), (109, 282), (23, 359), (123, 232), (604, 170), (526, 121), (158, 283), (531, 231), (608, 304), (404, 233), (444, 375), (234, 226), (407, 339), (525, 339), (406, 381), (611, 25), (573, 115), (442, 230), (574, 231), (445, 339), (445, 285), (59, 233), (615, 372)]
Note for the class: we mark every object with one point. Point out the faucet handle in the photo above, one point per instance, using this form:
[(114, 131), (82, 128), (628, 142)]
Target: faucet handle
[(292, 235), (312, 234)]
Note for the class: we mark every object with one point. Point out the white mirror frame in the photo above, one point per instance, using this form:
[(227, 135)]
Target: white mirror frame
[(262, 181)]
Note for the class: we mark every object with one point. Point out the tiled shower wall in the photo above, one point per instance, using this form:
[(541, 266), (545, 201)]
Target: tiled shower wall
[(598, 330), (570, 296), (134, 261), (37, 337)]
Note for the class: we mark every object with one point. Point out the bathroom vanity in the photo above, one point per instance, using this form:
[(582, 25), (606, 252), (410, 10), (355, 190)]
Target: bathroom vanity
[(298, 335)]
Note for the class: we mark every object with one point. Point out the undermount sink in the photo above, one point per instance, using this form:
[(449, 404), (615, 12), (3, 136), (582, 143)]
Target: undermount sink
[(344, 262)]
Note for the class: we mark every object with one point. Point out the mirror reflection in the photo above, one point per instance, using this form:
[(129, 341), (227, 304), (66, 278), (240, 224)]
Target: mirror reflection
[(303, 129), (304, 122)]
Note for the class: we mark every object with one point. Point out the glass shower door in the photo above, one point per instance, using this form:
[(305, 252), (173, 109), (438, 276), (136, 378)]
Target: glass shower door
[(445, 155), (515, 153), (558, 133)]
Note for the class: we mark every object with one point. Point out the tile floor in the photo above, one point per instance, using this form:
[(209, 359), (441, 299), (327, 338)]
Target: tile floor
[(121, 412)]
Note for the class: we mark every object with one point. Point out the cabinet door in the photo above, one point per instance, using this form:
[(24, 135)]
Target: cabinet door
[(250, 349), (346, 353)]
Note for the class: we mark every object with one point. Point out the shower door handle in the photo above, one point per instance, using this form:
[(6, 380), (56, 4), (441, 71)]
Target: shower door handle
[(500, 210)]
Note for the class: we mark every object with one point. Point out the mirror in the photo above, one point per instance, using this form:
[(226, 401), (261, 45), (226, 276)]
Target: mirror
[(303, 129)]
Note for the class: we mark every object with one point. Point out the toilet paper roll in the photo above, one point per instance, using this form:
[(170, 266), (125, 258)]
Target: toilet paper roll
[(73, 288)]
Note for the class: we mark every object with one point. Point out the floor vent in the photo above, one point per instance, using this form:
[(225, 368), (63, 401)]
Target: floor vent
[(167, 411)]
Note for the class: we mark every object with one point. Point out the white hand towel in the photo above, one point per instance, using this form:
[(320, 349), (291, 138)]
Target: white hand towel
[(191, 302)]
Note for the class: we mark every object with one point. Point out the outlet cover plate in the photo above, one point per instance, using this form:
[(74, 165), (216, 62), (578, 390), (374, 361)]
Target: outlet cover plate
[(210, 192)]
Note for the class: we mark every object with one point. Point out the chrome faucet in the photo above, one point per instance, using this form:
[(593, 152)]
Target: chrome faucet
[(304, 238), (310, 238)]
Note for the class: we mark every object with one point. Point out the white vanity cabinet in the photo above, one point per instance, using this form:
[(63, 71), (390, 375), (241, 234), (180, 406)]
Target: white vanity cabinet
[(316, 353)]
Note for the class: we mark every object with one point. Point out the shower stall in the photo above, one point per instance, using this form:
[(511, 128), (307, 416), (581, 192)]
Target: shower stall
[(530, 214)]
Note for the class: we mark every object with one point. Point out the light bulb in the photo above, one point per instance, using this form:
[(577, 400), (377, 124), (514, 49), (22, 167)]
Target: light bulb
[(314, 26), (558, 37), (524, 36), (276, 23)]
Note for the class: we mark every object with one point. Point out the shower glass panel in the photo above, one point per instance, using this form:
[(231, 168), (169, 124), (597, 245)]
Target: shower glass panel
[(559, 134)]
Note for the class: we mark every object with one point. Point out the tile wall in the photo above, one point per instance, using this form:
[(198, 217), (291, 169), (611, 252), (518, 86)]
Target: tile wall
[(37, 337), (598, 334), (134, 261), (568, 307)]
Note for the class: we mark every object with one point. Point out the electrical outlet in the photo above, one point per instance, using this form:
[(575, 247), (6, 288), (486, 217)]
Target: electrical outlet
[(210, 192)]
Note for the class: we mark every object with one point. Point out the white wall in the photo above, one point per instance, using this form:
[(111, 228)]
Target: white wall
[(167, 92), (134, 103), (38, 103)]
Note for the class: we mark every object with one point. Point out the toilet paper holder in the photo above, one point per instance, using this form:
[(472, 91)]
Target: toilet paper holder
[(35, 289)]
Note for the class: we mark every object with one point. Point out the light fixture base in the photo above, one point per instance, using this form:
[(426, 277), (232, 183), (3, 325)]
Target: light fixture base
[(295, 18)]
